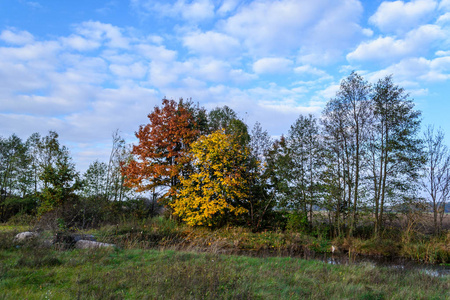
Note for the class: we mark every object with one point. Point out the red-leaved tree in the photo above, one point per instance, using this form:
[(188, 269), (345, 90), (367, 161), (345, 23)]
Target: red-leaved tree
[(160, 157)]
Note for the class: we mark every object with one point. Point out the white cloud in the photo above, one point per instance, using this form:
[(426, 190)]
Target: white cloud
[(413, 69), (445, 5), (195, 11), (367, 32), (227, 7), (17, 77), (99, 32), (444, 19), (136, 70), (289, 26), (156, 53), (33, 51), (80, 43), (416, 42), (327, 93), (162, 74), (442, 53), (16, 37), (309, 70), (211, 43), (398, 16), (272, 65)]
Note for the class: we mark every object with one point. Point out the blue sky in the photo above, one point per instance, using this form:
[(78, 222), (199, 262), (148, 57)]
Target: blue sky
[(85, 68)]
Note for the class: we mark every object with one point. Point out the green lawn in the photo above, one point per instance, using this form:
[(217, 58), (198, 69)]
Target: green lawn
[(151, 274)]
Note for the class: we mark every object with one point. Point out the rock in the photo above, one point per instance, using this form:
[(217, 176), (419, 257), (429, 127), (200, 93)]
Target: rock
[(86, 237), (25, 236), (85, 244), (70, 239)]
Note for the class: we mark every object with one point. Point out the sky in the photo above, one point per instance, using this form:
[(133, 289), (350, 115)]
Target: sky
[(86, 68)]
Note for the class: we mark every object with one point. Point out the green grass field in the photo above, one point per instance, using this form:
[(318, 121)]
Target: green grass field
[(151, 274), (136, 271)]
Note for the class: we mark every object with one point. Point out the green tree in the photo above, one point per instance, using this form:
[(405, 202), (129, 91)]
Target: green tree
[(352, 106), (225, 118), (261, 198), (95, 180), (396, 151), (61, 181), (15, 178)]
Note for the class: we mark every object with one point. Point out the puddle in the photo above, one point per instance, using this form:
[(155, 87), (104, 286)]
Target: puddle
[(393, 263)]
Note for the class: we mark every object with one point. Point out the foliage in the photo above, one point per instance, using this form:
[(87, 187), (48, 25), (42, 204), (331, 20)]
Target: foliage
[(218, 186), (95, 180), (61, 180), (346, 119), (160, 159), (395, 150), (225, 118), (15, 178), (298, 222)]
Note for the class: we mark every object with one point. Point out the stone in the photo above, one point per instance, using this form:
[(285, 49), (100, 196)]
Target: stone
[(25, 236), (86, 237), (85, 244)]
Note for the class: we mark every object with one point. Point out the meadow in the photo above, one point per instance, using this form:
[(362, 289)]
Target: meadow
[(160, 259)]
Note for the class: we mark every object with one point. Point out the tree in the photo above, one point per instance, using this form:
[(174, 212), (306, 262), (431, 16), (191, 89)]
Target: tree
[(436, 181), (278, 160), (225, 118), (296, 167), (220, 118), (15, 178), (115, 179), (217, 188), (396, 155), (160, 159), (14, 161), (352, 106), (306, 162), (61, 181), (337, 164), (261, 198), (95, 180)]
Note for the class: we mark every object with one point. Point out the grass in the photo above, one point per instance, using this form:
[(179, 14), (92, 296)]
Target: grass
[(152, 274), (134, 271), (166, 234)]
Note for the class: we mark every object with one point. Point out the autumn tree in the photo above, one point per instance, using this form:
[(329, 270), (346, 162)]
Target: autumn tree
[(216, 190), (160, 158)]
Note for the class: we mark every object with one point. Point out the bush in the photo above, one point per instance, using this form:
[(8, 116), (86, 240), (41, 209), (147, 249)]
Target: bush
[(297, 222)]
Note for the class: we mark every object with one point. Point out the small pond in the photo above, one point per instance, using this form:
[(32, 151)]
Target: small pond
[(387, 262), (344, 259)]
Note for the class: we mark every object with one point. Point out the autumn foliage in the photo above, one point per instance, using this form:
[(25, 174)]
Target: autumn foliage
[(217, 188), (160, 159)]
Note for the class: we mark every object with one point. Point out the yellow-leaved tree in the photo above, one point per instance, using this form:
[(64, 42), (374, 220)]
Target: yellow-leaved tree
[(218, 187)]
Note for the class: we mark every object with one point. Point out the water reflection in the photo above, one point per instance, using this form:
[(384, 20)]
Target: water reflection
[(392, 263)]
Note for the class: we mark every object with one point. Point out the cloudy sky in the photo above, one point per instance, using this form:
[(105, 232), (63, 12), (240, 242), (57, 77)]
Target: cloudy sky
[(85, 68)]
